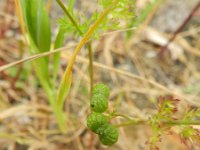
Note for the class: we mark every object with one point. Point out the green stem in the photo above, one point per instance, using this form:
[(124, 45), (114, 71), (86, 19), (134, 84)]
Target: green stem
[(69, 16), (182, 122), (85, 39), (131, 122), (91, 70), (169, 123), (89, 46), (121, 115)]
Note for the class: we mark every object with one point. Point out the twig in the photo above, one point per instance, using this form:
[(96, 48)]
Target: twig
[(180, 28)]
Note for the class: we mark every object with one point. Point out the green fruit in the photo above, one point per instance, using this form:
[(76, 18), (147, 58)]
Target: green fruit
[(99, 103), (96, 120), (101, 89), (108, 134)]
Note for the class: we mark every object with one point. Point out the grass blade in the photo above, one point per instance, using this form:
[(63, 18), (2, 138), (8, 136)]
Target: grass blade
[(38, 23), (63, 92), (56, 57)]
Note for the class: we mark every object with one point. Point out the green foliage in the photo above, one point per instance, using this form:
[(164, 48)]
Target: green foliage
[(96, 120), (122, 10), (166, 118), (56, 57), (89, 28), (38, 24), (188, 133), (60, 100), (108, 134), (166, 113), (38, 27), (108, 17)]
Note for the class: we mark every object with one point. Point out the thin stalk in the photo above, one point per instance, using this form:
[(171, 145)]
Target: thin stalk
[(121, 115), (182, 122), (91, 68), (21, 19), (69, 15), (89, 46), (169, 123), (131, 122)]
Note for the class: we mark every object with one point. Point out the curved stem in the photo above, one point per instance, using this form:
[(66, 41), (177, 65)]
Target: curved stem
[(89, 46), (84, 40)]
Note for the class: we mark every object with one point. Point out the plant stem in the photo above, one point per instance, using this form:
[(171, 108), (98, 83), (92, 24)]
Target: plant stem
[(170, 123), (85, 38), (69, 15), (89, 46), (131, 122), (21, 19), (121, 115), (182, 122), (91, 70)]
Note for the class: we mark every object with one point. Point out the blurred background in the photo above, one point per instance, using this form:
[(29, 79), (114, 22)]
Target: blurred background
[(137, 62)]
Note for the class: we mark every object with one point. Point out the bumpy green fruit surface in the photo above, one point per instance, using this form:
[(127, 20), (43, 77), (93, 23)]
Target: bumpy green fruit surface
[(99, 103), (96, 120), (108, 134), (101, 89)]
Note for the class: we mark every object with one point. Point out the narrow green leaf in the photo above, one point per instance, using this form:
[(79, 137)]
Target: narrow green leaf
[(62, 94), (38, 23), (41, 68), (56, 57), (64, 90), (38, 28)]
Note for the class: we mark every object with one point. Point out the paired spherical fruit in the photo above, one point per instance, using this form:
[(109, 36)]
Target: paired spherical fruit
[(108, 134), (96, 120), (99, 103), (101, 89)]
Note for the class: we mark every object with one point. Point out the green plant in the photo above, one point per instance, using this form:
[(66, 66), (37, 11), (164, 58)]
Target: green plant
[(35, 20), (113, 11), (37, 24)]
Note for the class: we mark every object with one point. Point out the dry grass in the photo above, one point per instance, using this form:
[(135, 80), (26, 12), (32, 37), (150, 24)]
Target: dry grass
[(132, 69)]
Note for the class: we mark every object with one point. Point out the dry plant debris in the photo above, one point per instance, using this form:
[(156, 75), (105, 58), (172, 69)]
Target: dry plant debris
[(131, 68)]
